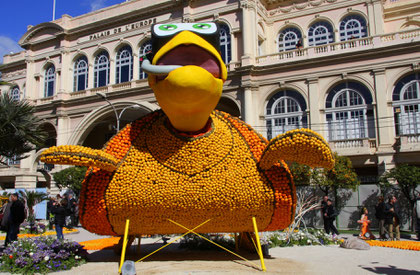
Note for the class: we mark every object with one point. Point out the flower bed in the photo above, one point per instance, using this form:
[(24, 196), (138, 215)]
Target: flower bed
[(105, 243), (41, 255), (408, 245), (300, 238)]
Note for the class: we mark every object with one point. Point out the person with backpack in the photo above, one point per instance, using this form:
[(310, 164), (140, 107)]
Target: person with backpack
[(16, 217)]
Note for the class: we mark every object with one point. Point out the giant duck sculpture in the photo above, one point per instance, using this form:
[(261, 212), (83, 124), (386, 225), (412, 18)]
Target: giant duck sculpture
[(188, 162)]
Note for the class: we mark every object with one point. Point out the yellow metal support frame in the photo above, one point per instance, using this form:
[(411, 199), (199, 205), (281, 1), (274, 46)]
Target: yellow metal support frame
[(258, 247), (127, 224)]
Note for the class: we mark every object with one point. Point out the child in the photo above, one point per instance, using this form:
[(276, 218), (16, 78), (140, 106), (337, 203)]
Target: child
[(364, 222)]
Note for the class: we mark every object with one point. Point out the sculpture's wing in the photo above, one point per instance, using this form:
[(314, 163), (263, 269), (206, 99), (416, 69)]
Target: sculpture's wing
[(79, 156), (303, 146)]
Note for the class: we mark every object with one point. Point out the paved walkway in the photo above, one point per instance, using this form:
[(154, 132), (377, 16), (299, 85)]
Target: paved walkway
[(290, 260)]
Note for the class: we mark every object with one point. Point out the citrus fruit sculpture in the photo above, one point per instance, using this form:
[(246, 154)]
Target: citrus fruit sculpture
[(188, 162)]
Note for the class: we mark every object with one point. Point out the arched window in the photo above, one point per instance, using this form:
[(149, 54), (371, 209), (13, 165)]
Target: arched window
[(349, 112), (15, 93), (124, 65), (406, 102), (320, 33), (352, 27), (225, 45), (81, 69), (49, 83), (285, 111), (101, 69), (144, 49), (289, 39)]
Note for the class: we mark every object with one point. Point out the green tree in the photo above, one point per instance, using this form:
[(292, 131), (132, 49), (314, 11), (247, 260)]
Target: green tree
[(341, 176), (19, 128), (71, 178), (404, 177)]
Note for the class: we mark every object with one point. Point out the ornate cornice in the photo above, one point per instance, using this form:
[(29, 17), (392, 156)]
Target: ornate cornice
[(299, 6)]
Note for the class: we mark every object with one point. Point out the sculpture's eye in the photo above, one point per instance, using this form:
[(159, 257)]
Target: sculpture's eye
[(201, 26), (168, 27), (166, 30)]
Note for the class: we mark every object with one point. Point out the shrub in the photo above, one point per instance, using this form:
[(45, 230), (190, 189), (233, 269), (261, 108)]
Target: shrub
[(41, 255)]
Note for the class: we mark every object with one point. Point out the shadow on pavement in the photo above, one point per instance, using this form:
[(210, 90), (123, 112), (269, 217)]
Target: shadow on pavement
[(391, 270), (170, 253)]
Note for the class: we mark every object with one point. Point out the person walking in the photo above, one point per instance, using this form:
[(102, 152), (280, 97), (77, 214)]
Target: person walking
[(60, 211), (380, 215), (16, 217), (392, 218), (324, 206), (331, 214)]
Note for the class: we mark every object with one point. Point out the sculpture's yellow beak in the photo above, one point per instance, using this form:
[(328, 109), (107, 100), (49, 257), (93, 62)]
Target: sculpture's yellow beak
[(189, 94)]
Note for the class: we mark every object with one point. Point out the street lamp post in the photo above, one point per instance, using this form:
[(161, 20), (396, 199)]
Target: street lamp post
[(117, 116)]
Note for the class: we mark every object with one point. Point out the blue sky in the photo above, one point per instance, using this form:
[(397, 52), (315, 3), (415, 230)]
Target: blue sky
[(16, 15)]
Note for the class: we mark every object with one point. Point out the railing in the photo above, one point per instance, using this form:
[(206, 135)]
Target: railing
[(45, 100), (355, 143), (341, 47), (103, 89), (354, 146), (78, 94), (121, 86)]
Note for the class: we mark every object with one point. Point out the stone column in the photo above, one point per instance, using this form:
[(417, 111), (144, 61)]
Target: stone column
[(136, 66), (384, 120), (249, 32), (31, 85), (375, 17), (112, 74), (378, 15), (248, 113), (66, 85), (91, 75), (63, 129), (315, 121)]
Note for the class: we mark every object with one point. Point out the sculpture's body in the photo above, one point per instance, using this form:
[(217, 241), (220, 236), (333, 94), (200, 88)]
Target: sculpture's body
[(187, 163)]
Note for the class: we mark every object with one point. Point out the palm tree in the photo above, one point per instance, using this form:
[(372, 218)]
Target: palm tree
[(19, 130), (32, 198)]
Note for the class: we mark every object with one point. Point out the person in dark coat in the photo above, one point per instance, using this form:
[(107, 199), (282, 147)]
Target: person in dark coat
[(392, 218), (324, 206), (16, 217), (72, 208), (331, 214), (60, 211), (5, 220), (380, 215)]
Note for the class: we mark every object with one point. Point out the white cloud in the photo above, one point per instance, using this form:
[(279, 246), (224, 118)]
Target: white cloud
[(97, 4), (8, 45)]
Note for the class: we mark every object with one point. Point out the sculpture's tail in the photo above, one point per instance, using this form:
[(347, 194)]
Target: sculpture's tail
[(303, 146)]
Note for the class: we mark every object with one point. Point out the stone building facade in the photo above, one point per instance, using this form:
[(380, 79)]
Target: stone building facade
[(348, 69)]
